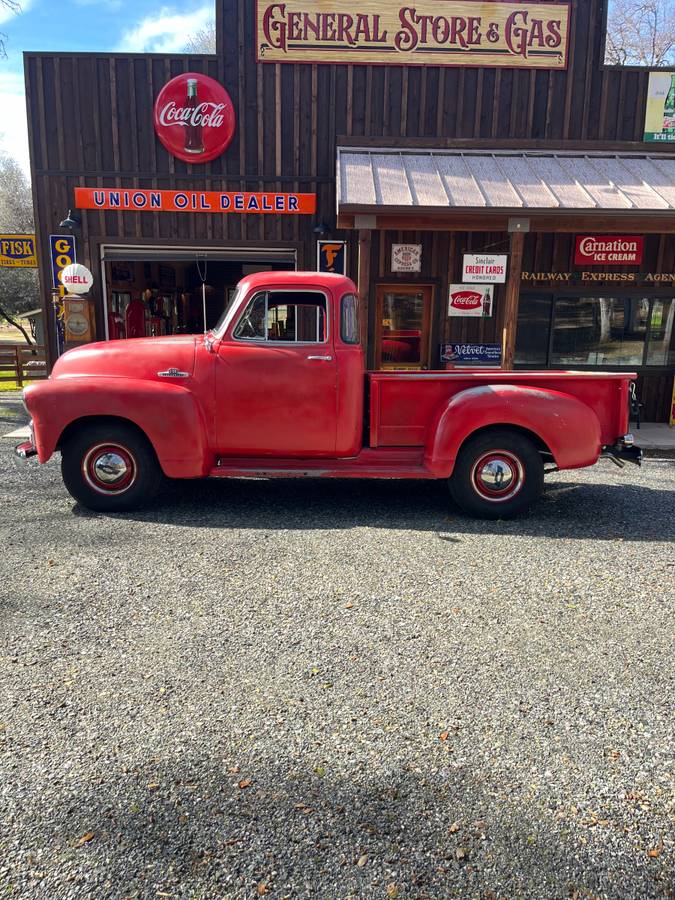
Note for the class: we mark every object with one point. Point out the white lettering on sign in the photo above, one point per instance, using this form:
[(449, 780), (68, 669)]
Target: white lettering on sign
[(209, 115), (607, 249)]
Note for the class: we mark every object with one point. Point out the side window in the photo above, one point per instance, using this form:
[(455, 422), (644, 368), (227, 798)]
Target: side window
[(251, 326), (288, 316), (349, 319)]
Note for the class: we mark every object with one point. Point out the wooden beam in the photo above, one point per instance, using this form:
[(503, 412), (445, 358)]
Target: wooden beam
[(364, 285), (510, 321)]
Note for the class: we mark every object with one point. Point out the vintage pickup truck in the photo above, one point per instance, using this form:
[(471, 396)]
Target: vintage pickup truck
[(279, 389)]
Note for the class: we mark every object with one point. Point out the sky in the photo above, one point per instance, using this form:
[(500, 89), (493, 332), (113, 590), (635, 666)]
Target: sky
[(151, 26)]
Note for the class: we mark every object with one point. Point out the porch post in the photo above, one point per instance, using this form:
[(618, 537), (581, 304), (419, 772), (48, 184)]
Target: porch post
[(364, 286), (510, 322)]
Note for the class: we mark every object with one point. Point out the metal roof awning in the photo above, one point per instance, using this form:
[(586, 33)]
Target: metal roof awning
[(532, 183)]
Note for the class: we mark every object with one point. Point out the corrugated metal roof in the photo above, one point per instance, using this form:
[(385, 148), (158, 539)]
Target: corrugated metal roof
[(377, 179)]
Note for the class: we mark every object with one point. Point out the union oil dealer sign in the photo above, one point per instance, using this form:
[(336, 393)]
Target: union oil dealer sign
[(465, 33)]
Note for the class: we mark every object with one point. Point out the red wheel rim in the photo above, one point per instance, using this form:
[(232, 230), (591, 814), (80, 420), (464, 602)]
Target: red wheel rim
[(109, 468), (498, 476)]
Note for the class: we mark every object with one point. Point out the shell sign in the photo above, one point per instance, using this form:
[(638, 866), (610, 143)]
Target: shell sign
[(194, 118)]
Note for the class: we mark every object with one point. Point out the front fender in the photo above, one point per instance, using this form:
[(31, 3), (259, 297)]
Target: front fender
[(168, 414), (569, 428)]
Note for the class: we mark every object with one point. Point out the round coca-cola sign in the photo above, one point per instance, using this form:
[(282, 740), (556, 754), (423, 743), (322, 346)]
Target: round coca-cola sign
[(194, 117)]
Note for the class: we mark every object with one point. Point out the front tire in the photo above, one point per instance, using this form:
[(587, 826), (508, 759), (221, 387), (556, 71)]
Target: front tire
[(497, 475), (110, 468)]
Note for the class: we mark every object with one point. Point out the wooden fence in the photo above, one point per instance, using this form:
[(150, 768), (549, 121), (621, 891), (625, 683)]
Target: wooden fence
[(22, 362)]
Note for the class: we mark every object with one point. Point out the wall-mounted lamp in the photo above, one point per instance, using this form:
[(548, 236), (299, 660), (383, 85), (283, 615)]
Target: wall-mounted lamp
[(71, 222), (321, 229)]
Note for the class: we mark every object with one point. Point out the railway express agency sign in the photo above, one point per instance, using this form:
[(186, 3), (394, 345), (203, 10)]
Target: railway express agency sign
[(529, 35)]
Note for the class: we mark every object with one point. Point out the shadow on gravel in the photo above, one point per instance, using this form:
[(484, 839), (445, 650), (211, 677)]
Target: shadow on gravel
[(185, 827), (619, 511)]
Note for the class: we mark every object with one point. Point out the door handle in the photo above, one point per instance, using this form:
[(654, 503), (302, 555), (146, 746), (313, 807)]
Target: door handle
[(326, 358)]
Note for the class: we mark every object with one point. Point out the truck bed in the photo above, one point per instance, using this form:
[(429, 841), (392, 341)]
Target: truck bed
[(403, 405)]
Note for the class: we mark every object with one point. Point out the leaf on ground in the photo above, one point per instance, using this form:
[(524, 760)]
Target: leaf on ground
[(462, 852), (655, 852), (454, 828), (262, 889), (153, 786), (362, 860), (244, 783), (392, 891), (89, 836), (320, 771), (443, 736)]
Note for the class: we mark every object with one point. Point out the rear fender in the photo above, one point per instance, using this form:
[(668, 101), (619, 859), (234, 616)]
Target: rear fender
[(167, 414), (568, 428)]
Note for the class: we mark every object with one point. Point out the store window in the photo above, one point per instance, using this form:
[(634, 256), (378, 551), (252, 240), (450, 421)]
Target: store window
[(599, 331), (602, 332), (288, 316)]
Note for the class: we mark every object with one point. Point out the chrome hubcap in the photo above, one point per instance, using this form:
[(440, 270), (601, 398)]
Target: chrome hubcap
[(497, 475), (110, 468)]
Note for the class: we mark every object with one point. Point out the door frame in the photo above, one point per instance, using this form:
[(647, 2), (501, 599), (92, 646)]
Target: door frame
[(427, 290)]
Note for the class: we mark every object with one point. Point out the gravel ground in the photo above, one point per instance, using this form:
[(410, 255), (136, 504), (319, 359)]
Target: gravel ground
[(336, 690)]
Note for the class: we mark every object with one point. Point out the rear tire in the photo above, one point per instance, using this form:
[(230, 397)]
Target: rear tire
[(497, 475), (110, 467)]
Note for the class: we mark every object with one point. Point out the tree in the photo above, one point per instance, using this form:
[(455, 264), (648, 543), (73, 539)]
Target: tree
[(19, 288), (641, 33), (15, 7), (202, 41)]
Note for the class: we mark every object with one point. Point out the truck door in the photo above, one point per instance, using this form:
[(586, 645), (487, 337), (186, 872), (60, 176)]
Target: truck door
[(276, 378)]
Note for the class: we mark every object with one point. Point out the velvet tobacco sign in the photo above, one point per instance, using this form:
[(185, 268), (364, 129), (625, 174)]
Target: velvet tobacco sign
[(529, 35)]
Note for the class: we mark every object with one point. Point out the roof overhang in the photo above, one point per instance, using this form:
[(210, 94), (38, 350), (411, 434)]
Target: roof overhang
[(483, 189)]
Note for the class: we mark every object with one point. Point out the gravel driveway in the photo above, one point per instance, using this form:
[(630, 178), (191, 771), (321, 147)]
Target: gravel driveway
[(337, 690)]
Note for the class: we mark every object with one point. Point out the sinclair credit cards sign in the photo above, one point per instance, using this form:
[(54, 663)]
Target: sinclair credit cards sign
[(527, 35)]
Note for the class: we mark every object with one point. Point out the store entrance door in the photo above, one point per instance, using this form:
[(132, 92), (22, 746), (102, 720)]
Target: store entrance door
[(403, 327)]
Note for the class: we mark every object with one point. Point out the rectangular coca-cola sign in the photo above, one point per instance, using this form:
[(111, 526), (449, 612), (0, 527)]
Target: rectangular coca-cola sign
[(609, 250)]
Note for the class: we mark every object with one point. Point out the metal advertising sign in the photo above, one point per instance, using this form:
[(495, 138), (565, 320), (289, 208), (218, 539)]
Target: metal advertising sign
[(606, 250), (62, 253), (660, 113), (406, 258), (527, 35), (17, 251), (194, 118), (470, 300), (331, 257), (478, 354), (195, 201), (484, 268)]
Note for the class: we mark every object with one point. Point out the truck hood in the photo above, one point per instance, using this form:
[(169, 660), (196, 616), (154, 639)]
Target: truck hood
[(135, 358)]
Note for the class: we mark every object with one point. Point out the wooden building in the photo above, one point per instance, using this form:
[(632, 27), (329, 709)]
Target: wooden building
[(421, 141)]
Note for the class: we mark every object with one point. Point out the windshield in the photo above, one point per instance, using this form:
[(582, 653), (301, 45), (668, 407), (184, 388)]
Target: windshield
[(228, 313)]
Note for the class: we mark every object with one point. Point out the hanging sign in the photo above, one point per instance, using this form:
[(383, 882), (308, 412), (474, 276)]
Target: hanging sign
[(17, 251), (660, 113), (77, 279), (607, 250), (195, 201), (527, 35), (331, 256), (479, 354), (194, 118), (484, 268), (470, 300), (62, 253), (406, 258)]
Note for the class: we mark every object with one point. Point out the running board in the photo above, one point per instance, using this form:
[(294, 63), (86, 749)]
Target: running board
[(368, 464)]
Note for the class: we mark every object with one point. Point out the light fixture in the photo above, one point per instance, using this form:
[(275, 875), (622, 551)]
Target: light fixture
[(71, 222), (321, 229)]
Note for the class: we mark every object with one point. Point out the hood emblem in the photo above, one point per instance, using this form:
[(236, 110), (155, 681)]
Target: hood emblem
[(173, 373)]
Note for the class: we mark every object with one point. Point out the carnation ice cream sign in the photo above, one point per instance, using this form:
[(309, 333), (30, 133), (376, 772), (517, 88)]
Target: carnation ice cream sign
[(470, 300), (609, 250), (484, 269)]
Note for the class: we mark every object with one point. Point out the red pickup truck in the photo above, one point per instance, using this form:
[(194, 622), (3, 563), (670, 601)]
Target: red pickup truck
[(279, 389)]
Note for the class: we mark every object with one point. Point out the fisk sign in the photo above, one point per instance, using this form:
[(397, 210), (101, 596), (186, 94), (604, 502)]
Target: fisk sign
[(608, 250), (470, 300), (17, 251)]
